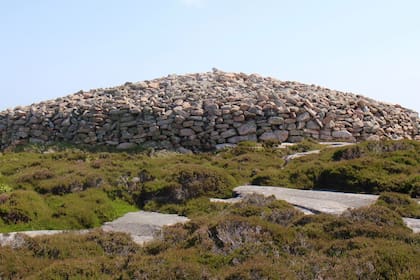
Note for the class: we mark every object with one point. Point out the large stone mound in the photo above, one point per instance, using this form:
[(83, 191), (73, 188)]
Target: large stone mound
[(200, 111)]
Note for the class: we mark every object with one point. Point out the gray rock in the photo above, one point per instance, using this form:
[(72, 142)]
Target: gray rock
[(342, 134), (275, 120), (237, 139), (183, 150), (312, 125), (220, 147), (247, 128), (228, 133), (303, 117), (126, 146), (186, 132), (277, 135), (373, 138)]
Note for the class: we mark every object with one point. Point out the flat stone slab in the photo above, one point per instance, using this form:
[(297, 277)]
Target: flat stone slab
[(299, 155), (337, 144), (142, 226), (15, 239), (314, 201), (414, 224)]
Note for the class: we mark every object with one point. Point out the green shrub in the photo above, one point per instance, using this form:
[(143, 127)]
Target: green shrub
[(305, 146), (192, 181), (267, 208), (86, 209), (414, 186), (374, 221), (23, 207), (75, 269), (347, 153), (4, 188), (400, 203), (259, 267), (260, 238), (113, 243)]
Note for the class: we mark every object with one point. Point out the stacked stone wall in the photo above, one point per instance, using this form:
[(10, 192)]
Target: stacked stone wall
[(201, 111)]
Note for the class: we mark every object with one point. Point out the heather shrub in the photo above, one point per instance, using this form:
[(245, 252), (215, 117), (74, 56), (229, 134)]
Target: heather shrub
[(374, 221), (400, 203), (23, 207), (304, 146), (4, 188), (191, 181)]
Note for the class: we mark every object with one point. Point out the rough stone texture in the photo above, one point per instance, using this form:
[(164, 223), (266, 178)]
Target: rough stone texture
[(200, 111)]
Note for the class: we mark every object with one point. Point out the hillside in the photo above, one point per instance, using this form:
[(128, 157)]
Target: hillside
[(56, 187), (200, 111), (163, 148)]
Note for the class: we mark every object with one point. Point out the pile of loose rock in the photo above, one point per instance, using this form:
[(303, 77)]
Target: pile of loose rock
[(201, 111)]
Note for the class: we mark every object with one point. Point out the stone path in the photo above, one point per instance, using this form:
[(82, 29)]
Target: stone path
[(142, 227)]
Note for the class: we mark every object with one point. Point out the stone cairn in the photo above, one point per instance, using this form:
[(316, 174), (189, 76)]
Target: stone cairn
[(205, 111)]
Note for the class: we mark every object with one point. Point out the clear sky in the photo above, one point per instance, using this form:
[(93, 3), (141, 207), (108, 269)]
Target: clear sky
[(51, 48)]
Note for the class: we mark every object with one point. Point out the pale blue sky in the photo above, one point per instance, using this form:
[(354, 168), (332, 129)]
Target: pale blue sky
[(51, 48)]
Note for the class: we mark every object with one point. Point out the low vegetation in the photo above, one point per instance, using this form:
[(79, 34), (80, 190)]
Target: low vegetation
[(260, 238), (370, 167), (62, 187)]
